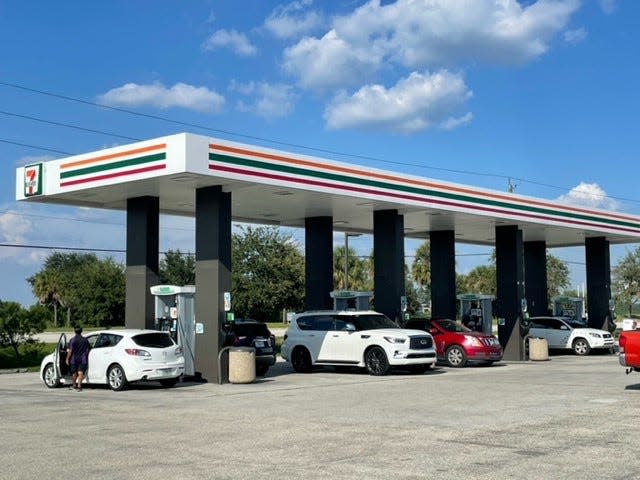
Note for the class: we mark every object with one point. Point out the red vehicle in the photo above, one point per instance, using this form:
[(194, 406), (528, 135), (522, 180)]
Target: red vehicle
[(629, 352), (457, 345)]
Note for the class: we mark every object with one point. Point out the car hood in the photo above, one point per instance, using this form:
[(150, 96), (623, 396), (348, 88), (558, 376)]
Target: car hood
[(587, 331), (395, 332)]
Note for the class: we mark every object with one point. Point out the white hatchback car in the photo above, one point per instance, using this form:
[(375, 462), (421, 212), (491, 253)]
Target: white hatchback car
[(119, 357), (565, 333), (355, 339)]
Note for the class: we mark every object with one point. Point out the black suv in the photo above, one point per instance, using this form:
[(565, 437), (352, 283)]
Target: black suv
[(252, 333)]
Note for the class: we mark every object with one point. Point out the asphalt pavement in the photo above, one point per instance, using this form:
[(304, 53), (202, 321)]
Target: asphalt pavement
[(566, 418)]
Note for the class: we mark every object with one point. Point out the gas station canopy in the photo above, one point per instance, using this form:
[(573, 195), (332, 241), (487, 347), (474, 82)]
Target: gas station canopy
[(279, 188)]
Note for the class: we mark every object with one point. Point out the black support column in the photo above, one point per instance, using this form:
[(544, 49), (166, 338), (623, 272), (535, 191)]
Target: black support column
[(598, 280), (318, 268), (443, 274), (213, 275), (535, 278), (388, 262), (143, 226), (510, 289)]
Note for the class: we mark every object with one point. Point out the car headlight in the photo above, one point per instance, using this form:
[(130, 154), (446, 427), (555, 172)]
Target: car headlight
[(395, 339), (473, 341), (596, 335)]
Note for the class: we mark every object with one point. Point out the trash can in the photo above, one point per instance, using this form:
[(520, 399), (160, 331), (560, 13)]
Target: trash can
[(242, 364), (538, 349)]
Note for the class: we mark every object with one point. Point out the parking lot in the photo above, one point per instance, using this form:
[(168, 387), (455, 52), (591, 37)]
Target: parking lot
[(570, 417)]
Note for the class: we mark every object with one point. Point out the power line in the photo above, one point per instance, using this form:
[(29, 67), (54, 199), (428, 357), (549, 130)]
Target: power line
[(254, 137), (67, 125)]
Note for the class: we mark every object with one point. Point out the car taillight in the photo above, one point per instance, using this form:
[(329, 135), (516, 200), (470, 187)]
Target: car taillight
[(136, 352), (622, 341), (236, 340)]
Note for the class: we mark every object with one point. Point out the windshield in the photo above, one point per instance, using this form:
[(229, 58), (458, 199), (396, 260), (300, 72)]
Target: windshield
[(575, 323), (371, 322), (451, 326)]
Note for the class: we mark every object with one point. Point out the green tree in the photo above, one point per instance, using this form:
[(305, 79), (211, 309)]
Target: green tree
[(18, 325), (177, 268), (267, 273), (557, 276), (421, 266), (626, 280), (100, 297), (359, 274), (480, 280), (91, 290)]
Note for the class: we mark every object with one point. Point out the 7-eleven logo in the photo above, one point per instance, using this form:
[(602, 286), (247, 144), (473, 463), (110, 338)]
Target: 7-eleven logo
[(33, 180)]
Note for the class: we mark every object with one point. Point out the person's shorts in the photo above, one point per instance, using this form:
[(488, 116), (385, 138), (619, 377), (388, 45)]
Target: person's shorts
[(78, 367)]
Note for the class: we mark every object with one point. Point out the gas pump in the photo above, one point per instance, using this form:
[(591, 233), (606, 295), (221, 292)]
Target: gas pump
[(175, 313), (351, 299), (477, 312), (571, 307)]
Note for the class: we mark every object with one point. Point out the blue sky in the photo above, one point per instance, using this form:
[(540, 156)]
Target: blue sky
[(540, 94)]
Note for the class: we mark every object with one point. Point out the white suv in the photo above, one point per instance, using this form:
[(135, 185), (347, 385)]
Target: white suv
[(565, 333), (355, 339)]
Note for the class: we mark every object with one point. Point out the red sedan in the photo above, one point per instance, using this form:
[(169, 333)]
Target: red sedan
[(457, 345)]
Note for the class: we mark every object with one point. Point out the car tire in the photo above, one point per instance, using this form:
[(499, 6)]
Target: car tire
[(261, 370), (169, 382), (116, 378), (49, 376), (456, 357), (375, 359), (301, 360), (581, 347)]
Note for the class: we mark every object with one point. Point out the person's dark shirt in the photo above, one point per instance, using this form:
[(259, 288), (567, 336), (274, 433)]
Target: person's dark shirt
[(79, 350)]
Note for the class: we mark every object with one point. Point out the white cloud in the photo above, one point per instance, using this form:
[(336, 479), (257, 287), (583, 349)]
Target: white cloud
[(14, 230), (237, 42), (608, 6), (180, 95), (330, 62), (423, 34), (292, 20), (270, 100), (575, 36), (415, 103), (589, 195)]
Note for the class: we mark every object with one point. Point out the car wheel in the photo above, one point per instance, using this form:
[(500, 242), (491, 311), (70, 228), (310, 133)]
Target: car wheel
[(49, 376), (301, 360), (169, 382), (261, 370), (116, 378), (581, 346), (376, 361), (456, 357)]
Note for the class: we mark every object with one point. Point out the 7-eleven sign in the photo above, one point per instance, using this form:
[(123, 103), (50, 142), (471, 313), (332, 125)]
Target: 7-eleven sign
[(33, 180)]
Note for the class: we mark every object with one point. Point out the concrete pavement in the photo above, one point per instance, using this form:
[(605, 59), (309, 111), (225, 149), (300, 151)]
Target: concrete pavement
[(570, 417)]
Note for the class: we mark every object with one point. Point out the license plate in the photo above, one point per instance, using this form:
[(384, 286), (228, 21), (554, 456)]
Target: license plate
[(259, 343)]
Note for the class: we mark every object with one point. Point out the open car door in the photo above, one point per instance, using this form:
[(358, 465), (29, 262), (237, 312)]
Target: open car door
[(60, 358)]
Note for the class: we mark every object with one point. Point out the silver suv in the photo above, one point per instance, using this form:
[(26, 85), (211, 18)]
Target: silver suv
[(354, 338)]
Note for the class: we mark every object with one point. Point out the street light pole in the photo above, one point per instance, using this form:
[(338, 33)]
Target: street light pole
[(346, 260)]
